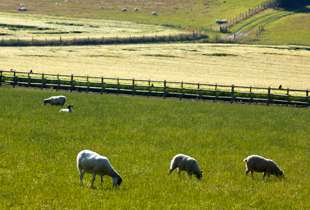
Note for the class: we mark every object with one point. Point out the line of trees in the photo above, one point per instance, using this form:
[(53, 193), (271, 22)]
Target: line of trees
[(292, 3)]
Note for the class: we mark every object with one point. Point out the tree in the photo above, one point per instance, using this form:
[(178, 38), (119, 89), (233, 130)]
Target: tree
[(291, 3)]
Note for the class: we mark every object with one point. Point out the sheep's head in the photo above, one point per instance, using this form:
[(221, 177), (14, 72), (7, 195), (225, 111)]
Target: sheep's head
[(44, 102), (280, 173), (198, 175), (117, 181)]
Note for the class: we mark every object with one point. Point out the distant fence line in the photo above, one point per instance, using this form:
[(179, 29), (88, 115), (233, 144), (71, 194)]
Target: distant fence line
[(245, 15), (192, 35), (181, 90)]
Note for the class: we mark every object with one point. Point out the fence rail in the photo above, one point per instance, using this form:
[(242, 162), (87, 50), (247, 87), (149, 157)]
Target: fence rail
[(188, 36), (181, 90)]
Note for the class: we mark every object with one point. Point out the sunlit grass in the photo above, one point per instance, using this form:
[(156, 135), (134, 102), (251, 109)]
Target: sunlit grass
[(224, 64), (47, 26), (140, 136)]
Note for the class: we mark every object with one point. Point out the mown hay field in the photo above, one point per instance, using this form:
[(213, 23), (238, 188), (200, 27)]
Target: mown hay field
[(140, 136), (226, 64), (46, 26)]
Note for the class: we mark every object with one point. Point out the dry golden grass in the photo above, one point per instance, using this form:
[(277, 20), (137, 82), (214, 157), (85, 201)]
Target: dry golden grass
[(227, 64), (23, 25)]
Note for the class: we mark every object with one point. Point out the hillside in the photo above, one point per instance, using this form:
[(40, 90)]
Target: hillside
[(184, 14), (190, 14)]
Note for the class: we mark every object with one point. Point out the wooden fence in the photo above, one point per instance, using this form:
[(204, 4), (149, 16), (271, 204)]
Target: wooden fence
[(181, 90), (245, 15), (191, 35)]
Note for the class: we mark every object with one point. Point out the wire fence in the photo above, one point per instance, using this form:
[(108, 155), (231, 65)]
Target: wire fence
[(164, 89)]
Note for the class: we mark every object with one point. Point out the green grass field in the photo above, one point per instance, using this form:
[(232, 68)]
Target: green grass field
[(39, 145)]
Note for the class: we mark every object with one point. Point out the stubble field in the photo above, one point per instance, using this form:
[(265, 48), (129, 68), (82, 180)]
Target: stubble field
[(227, 64)]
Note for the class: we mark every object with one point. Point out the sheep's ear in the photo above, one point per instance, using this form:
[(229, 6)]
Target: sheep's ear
[(201, 171)]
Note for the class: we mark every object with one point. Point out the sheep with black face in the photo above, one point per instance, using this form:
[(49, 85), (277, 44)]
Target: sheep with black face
[(93, 163)]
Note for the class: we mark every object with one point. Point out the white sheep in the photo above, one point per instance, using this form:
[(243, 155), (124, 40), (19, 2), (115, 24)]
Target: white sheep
[(136, 9), (260, 164), (69, 109), (93, 163), (56, 100), (185, 163)]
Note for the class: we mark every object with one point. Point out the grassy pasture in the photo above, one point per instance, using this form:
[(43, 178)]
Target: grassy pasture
[(226, 64), (192, 14), (282, 31), (140, 136)]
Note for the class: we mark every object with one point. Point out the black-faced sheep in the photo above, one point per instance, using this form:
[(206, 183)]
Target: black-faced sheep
[(55, 100), (93, 163), (69, 109), (185, 163), (260, 164)]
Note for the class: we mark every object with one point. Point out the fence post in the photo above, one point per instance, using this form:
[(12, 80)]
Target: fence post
[(164, 89), (149, 89), (87, 85), (251, 97), (71, 83), (14, 79), (59, 40), (0, 78), (57, 82), (288, 92), (42, 81), (101, 85), (197, 92), (133, 87), (215, 88), (268, 100), (307, 94), (181, 91), (28, 80), (117, 86), (232, 93)]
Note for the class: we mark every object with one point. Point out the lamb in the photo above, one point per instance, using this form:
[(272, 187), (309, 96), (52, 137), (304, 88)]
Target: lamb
[(260, 164), (69, 109), (93, 163), (185, 163), (56, 100)]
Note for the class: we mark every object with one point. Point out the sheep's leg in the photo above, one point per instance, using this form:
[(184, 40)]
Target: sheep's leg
[(264, 174), (179, 171), (252, 174), (247, 171), (101, 181), (93, 179), (82, 172), (189, 175)]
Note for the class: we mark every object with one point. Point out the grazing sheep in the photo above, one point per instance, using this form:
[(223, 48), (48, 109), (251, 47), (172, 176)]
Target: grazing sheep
[(260, 164), (69, 109), (93, 163), (154, 13), (56, 100), (185, 163), (136, 9), (124, 10)]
